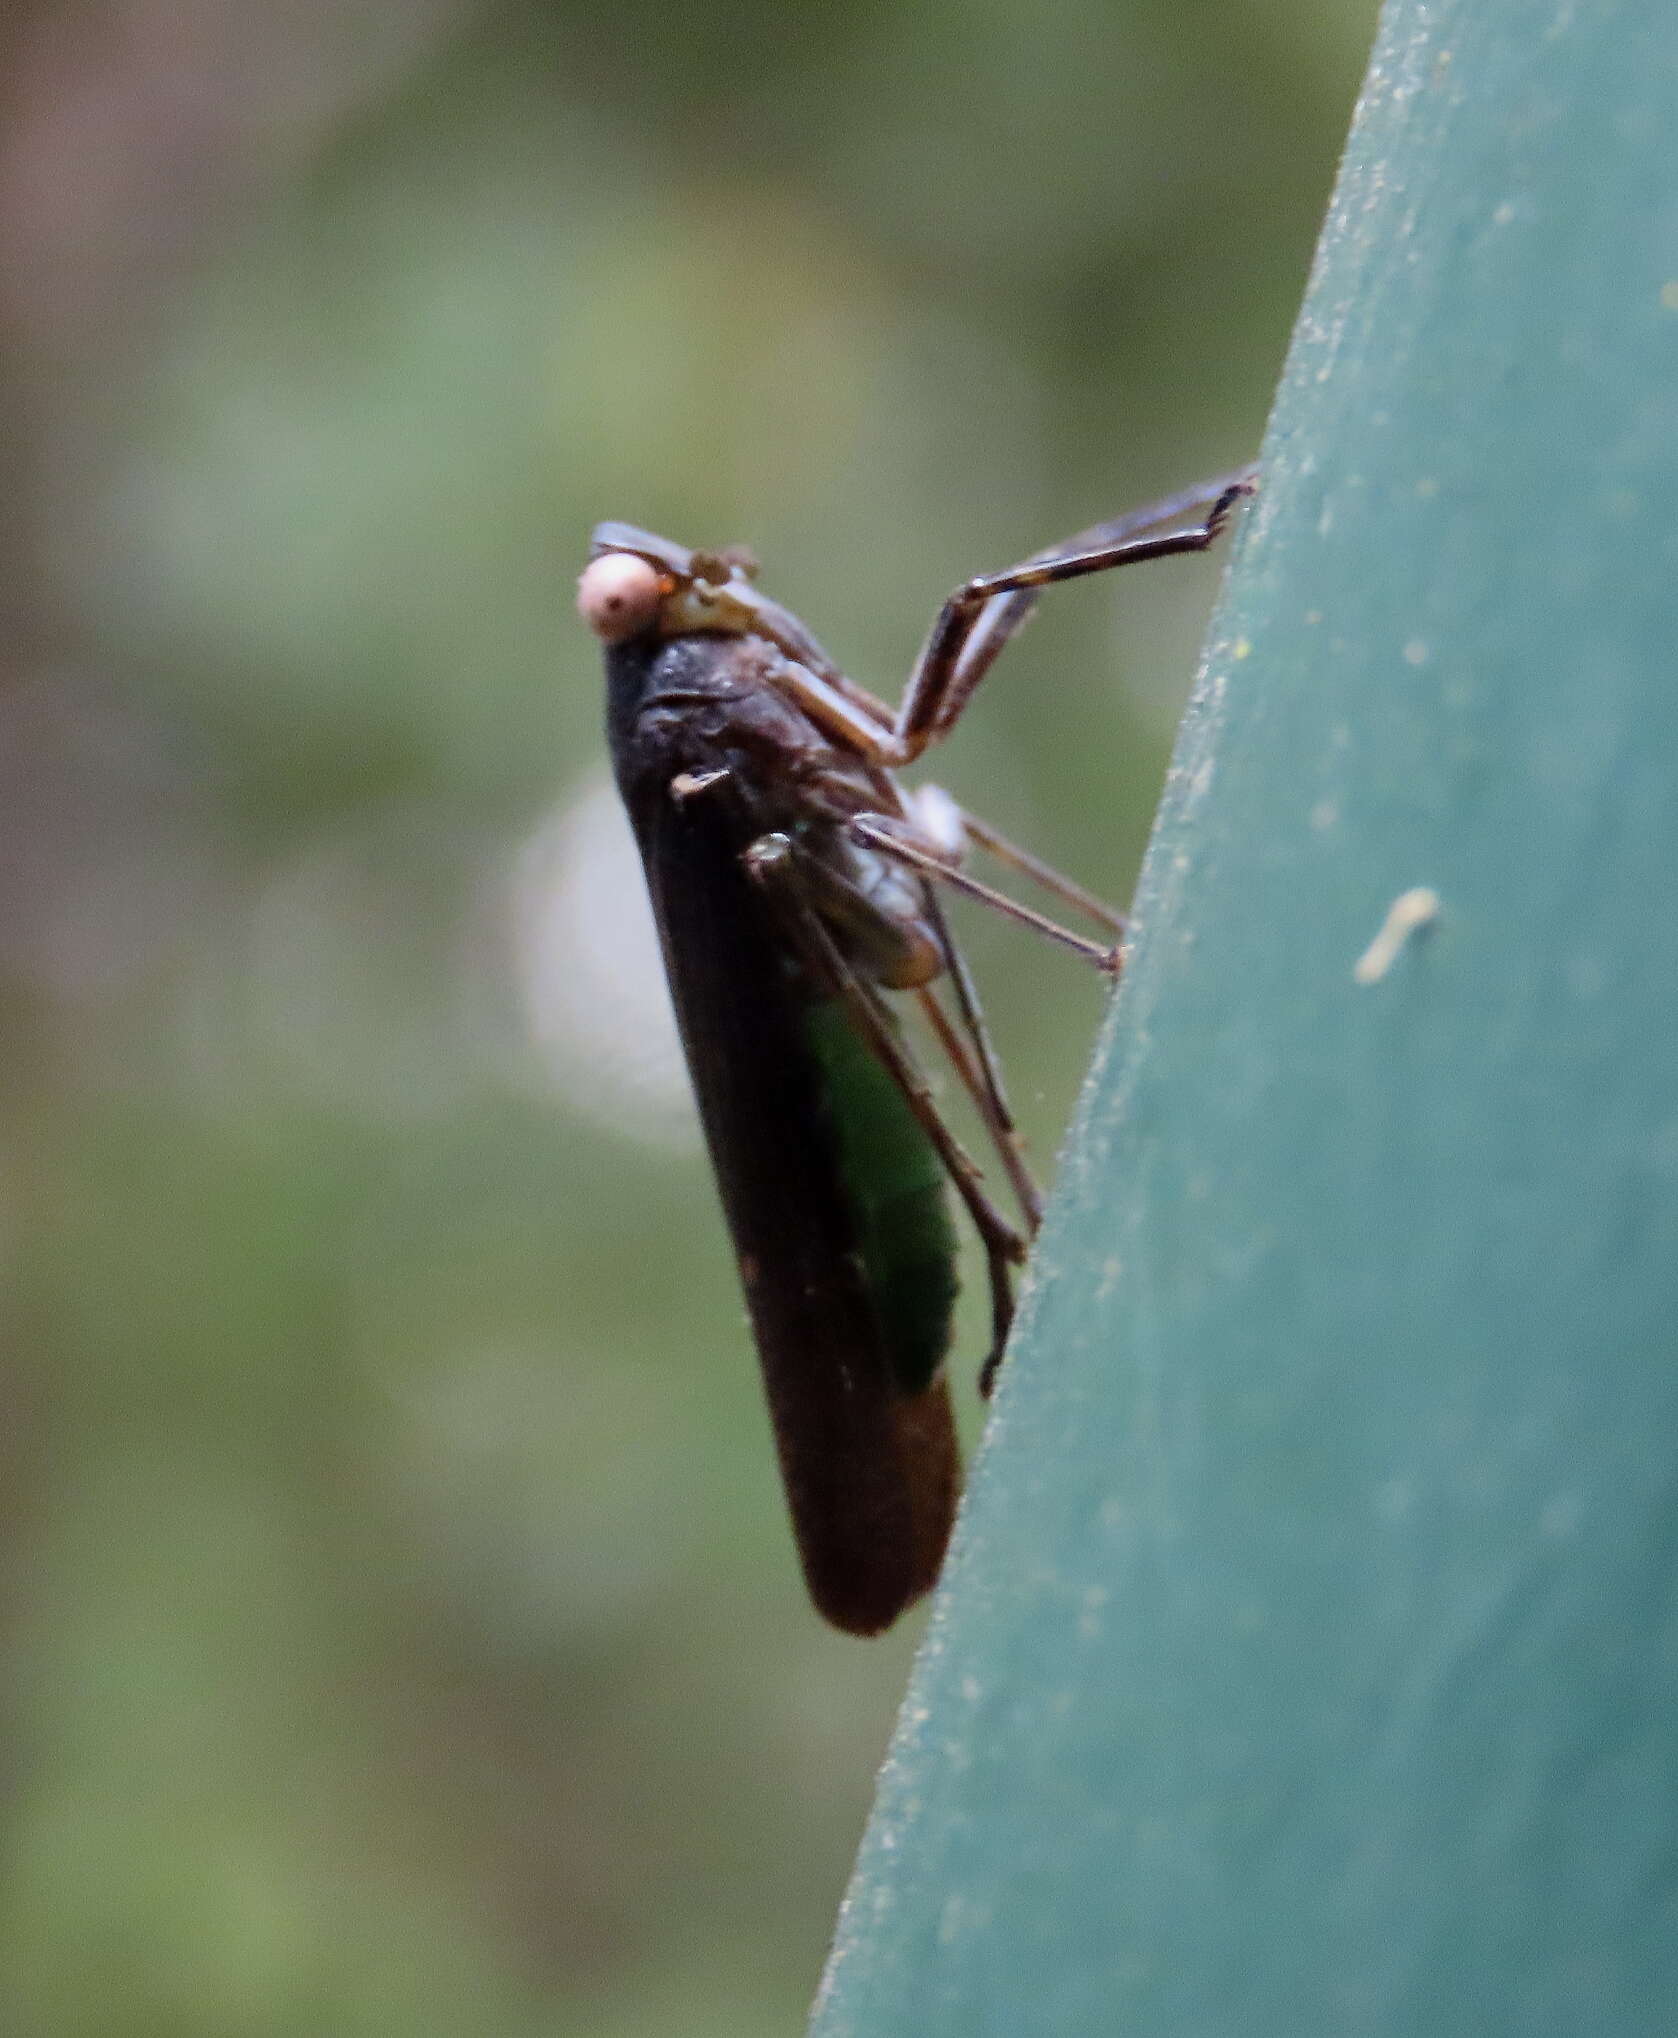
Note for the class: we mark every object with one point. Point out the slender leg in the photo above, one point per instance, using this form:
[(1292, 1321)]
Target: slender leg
[(980, 617), (972, 1081), (878, 831), (996, 844), (975, 623), (771, 863), (947, 828), (982, 1073)]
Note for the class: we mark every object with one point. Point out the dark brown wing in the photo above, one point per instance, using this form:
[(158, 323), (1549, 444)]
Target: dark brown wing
[(871, 1470)]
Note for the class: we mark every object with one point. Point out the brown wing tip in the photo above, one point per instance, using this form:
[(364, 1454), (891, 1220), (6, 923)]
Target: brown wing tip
[(870, 1552)]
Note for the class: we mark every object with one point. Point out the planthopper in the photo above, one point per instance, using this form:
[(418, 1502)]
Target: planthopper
[(796, 886)]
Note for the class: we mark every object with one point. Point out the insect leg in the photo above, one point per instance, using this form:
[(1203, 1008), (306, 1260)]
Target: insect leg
[(1045, 876), (980, 617), (771, 862), (880, 831), (975, 1061)]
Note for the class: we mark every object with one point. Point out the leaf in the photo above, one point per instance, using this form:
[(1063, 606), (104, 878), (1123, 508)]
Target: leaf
[(1306, 1661)]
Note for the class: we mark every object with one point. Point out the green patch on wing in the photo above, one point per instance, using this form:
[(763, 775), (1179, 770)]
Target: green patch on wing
[(897, 1187)]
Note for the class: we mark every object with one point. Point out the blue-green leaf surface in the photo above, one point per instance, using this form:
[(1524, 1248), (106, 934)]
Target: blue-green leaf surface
[(1307, 1664)]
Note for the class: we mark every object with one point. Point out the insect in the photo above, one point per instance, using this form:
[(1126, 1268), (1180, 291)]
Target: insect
[(796, 885)]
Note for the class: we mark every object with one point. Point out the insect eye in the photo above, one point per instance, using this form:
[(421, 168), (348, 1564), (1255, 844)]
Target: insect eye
[(618, 596)]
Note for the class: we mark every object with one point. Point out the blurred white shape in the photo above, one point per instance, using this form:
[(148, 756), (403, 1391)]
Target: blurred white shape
[(593, 979)]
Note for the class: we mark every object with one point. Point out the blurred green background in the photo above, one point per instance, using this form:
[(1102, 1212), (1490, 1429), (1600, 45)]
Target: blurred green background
[(403, 1635)]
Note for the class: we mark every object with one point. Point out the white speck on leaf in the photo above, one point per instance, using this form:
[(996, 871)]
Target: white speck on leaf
[(1407, 915)]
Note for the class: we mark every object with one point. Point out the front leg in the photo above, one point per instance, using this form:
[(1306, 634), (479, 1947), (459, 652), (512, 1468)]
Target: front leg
[(980, 617)]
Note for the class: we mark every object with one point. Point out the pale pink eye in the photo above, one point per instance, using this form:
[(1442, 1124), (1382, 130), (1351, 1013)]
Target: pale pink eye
[(618, 596)]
